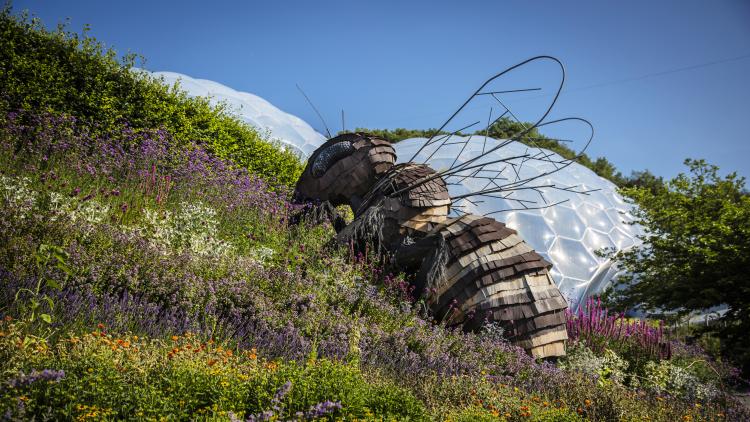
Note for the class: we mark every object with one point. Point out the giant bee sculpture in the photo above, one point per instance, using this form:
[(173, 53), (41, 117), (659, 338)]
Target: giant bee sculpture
[(470, 269)]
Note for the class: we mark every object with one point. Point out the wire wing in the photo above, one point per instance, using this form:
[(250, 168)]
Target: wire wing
[(511, 105)]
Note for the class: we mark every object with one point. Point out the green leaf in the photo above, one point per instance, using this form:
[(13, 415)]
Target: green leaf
[(53, 284)]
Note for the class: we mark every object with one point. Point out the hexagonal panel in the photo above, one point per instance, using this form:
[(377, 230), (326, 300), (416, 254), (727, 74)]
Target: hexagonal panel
[(564, 221)]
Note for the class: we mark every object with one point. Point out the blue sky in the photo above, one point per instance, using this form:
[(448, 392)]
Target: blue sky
[(639, 70)]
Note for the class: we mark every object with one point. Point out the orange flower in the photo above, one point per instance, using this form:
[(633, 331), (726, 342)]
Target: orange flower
[(174, 338), (229, 353), (587, 402), (211, 362), (100, 326)]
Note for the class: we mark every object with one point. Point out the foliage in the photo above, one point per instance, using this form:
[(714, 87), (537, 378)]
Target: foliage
[(130, 377), (399, 134), (599, 329), (274, 288), (695, 254), (609, 367), (66, 73)]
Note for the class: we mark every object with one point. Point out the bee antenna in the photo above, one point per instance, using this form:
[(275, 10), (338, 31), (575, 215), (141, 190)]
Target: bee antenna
[(315, 110)]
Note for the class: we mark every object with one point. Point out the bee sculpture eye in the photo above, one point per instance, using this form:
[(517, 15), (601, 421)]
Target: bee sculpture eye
[(327, 157)]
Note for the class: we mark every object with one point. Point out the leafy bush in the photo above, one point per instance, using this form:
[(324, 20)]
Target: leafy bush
[(694, 254), (65, 73), (599, 330)]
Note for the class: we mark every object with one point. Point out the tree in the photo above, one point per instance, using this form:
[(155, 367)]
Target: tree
[(695, 253)]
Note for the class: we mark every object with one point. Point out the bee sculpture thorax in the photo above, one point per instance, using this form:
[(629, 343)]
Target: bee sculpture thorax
[(410, 201), (471, 270)]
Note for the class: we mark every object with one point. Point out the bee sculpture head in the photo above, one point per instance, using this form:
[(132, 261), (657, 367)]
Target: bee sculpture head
[(344, 169)]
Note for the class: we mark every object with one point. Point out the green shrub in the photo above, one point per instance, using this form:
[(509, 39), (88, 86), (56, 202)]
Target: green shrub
[(64, 72)]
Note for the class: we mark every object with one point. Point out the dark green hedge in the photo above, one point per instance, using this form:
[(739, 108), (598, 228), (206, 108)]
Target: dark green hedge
[(64, 72)]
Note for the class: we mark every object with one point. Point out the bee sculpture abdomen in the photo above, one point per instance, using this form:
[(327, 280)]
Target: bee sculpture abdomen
[(487, 273)]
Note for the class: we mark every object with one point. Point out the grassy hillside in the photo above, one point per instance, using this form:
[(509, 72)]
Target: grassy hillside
[(147, 275)]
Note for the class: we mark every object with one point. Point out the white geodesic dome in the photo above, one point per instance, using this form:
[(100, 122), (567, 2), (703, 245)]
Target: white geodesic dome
[(293, 132), (569, 234)]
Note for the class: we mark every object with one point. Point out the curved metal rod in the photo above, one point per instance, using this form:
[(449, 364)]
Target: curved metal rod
[(511, 185), (549, 108), (580, 119)]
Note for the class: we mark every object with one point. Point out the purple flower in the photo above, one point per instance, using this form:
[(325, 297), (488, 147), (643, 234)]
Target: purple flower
[(23, 380), (281, 393), (321, 409)]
